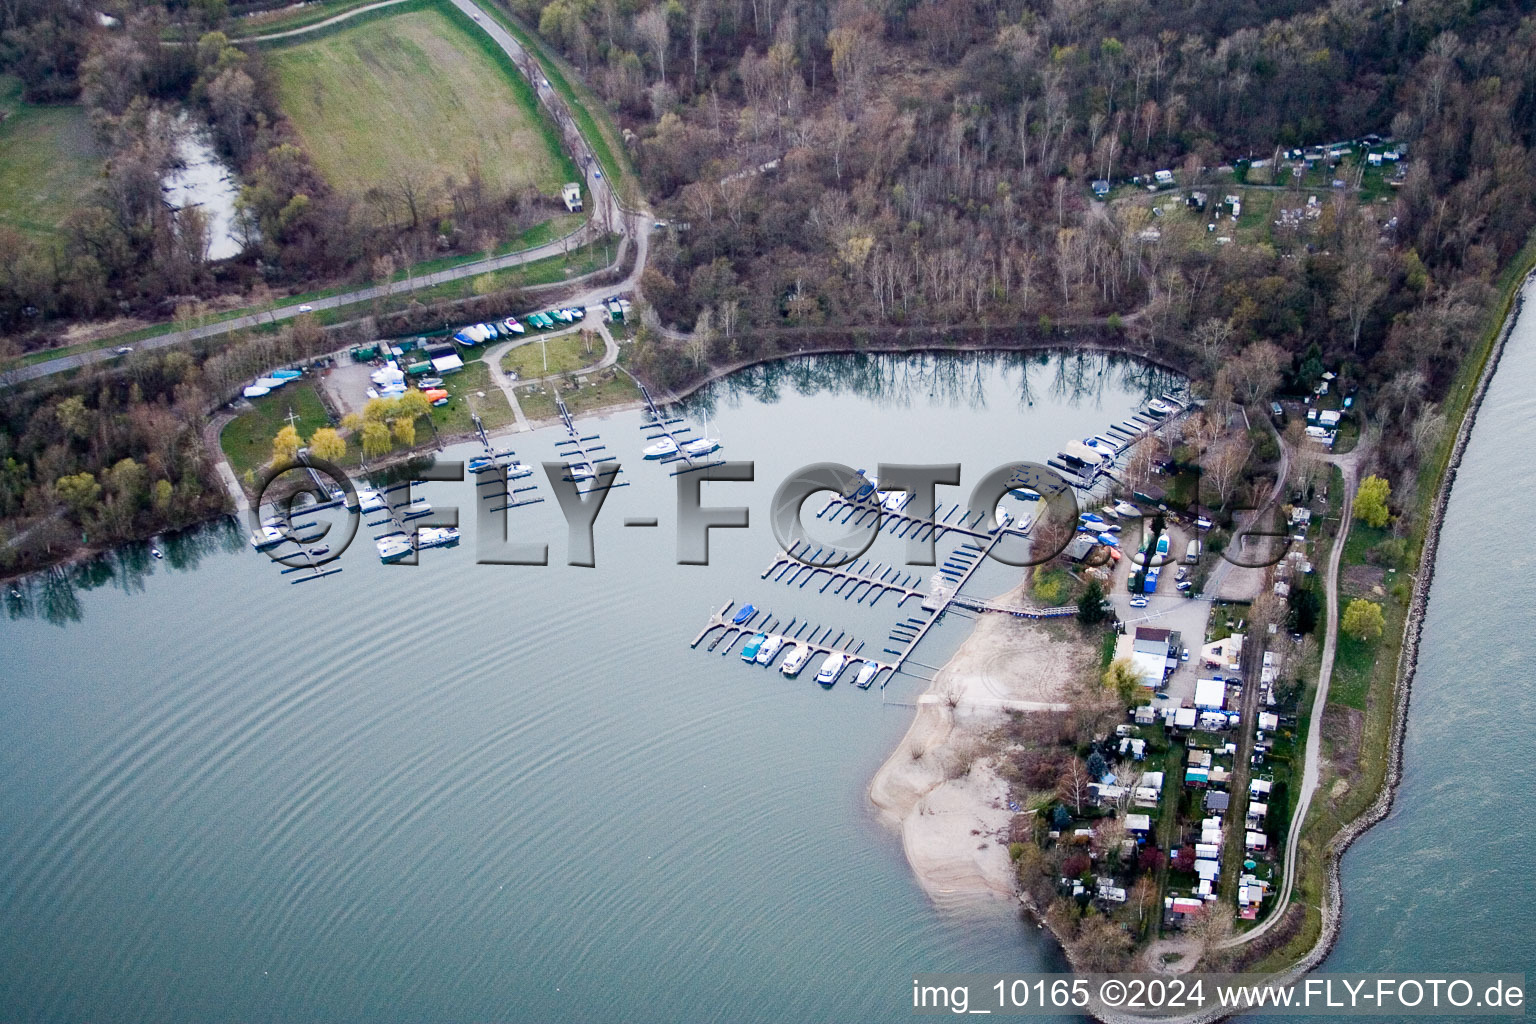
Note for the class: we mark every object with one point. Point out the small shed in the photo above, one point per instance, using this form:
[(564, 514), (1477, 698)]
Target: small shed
[(1255, 841)]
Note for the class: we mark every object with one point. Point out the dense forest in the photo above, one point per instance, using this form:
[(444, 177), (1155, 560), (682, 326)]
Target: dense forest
[(933, 162)]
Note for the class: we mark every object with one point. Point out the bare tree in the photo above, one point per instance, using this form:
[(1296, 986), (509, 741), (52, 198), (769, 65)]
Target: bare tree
[(1072, 786), (653, 29)]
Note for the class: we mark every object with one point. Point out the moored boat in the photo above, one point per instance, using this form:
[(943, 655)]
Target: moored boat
[(796, 660), (771, 647), (746, 612), (267, 536), (867, 673), (661, 449), (832, 668), (751, 647), (700, 446), (436, 536), (393, 547)]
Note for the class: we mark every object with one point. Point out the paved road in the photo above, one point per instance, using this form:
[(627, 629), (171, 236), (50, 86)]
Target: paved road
[(508, 387), (343, 16), (605, 212)]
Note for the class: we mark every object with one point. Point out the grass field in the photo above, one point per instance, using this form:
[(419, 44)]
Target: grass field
[(247, 440), (48, 160), (603, 389), (414, 96), (566, 353), (469, 391)]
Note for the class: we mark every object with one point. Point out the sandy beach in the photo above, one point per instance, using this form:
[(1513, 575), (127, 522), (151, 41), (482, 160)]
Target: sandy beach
[(954, 822)]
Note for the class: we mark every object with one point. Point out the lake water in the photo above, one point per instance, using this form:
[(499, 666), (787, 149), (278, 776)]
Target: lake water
[(204, 180), (464, 792), (1442, 882)]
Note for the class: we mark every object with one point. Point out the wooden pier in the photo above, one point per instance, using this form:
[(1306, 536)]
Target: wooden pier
[(819, 639), (677, 430), (797, 566), (583, 450)]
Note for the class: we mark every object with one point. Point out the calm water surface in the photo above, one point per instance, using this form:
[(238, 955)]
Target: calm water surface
[(463, 792)]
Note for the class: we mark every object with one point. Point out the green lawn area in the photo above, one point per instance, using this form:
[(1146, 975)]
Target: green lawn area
[(564, 354), (247, 440), (419, 96), (603, 389), (48, 161), (469, 391)]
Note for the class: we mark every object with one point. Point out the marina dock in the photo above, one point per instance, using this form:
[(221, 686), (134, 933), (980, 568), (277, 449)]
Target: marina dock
[(583, 451), (847, 575)]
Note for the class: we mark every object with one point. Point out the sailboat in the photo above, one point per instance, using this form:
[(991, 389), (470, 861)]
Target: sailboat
[(700, 446)]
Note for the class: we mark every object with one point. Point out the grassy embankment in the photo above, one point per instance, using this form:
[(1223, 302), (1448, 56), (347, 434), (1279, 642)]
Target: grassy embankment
[(415, 93), (540, 357), (602, 389), (48, 159), (247, 439), (1364, 680), (591, 117)]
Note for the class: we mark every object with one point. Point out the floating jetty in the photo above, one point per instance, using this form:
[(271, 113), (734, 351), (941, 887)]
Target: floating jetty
[(660, 426), (495, 475), (579, 450), (813, 636), (865, 581)]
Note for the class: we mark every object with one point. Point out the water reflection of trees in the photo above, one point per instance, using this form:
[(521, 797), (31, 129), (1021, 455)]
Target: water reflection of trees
[(54, 595), (958, 379)]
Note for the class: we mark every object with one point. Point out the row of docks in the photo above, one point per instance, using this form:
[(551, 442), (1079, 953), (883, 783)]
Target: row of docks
[(735, 630), (898, 522), (586, 456), (800, 566), (1117, 438), (661, 430), (499, 468)]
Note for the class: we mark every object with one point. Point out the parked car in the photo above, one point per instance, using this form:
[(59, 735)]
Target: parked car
[(122, 350), (306, 308), (1138, 602), (1184, 655), (1202, 523), (1184, 585)]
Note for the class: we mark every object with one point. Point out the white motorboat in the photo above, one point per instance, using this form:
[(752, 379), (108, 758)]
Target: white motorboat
[(866, 675), (796, 660), (436, 537), (770, 648), (661, 449), (831, 669), (393, 547), (582, 471), (267, 536), (518, 470)]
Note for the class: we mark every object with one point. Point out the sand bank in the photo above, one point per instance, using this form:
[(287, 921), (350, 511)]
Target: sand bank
[(953, 821)]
